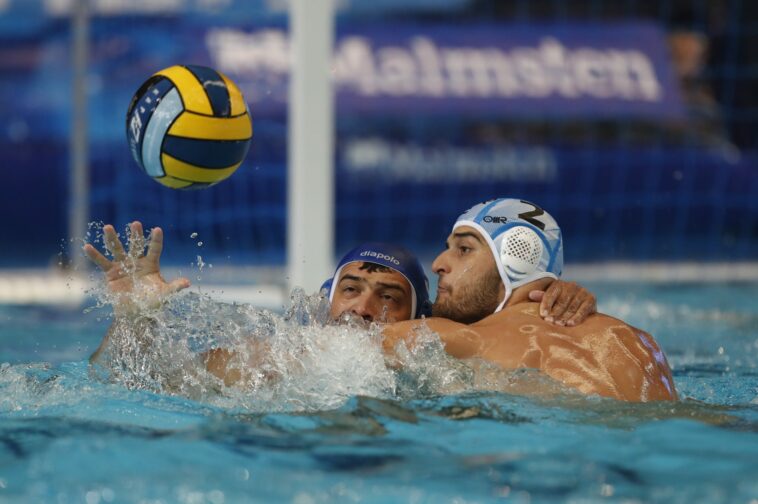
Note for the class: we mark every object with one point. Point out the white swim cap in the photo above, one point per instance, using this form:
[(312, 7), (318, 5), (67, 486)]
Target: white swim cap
[(524, 239)]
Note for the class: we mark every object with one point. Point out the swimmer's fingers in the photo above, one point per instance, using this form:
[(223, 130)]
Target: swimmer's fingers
[(112, 243), (567, 293), (587, 308), (136, 240), (155, 247), (573, 305), (178, 284), (549, 299), (536, 295), (96, 257)]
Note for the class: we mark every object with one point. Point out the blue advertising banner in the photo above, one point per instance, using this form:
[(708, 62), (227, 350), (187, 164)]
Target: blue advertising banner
[(572, 71), (569, 70)]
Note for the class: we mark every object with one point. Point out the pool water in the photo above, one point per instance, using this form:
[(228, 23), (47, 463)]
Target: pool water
[(344, 428)]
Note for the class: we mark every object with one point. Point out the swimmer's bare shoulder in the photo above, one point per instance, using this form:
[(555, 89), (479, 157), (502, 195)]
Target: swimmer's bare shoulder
[(603, 355)]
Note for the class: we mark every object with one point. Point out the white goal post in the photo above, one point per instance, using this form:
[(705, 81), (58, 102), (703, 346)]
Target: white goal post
[(310, 180)]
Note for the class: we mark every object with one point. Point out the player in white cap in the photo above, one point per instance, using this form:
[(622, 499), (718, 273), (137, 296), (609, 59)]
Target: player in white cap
[(497, 252)]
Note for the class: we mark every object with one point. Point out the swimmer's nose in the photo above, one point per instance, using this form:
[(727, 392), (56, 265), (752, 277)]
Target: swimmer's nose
[(440, 265), (363, 309)]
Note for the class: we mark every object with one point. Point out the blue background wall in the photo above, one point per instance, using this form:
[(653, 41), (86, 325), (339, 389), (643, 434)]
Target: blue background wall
[(622, 187)]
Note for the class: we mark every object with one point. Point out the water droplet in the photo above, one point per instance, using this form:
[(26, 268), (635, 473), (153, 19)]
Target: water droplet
[(193, 235), (199, 244)]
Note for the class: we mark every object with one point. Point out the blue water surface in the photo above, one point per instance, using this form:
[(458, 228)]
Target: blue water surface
[(67, 436)]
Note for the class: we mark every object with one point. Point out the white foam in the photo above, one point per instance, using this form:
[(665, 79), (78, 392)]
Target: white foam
[(297, 361)]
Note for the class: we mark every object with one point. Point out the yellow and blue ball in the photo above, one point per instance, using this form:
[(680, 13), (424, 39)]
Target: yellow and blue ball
[(189, 127)]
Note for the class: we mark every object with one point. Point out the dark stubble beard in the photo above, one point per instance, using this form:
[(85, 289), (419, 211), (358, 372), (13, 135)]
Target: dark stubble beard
[(471, 302)]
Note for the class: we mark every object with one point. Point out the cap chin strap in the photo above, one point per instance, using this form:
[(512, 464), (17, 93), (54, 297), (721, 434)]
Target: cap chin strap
[(336, 279), (507, 282)]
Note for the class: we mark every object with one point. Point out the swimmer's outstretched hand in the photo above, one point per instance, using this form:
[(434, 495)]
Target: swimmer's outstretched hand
[(134, 278), (565, 303)]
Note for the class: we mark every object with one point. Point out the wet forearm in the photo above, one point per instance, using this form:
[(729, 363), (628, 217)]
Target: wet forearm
[(459, 339), (125, 333), (242, 366), (97, 354)]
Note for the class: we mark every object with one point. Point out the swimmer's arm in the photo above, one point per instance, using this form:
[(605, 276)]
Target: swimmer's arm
[(227, 366), (460, 340), (121, 335), (97, 354), (234, 368), (218, 362)]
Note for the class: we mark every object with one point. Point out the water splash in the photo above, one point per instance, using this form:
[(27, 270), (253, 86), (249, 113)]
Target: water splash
[(296, 361)]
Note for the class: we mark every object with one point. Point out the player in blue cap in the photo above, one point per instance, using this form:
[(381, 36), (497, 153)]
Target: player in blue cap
[(378, 282)]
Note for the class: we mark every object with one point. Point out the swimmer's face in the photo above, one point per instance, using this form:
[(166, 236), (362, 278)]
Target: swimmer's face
[(469, 286), (371, 292)]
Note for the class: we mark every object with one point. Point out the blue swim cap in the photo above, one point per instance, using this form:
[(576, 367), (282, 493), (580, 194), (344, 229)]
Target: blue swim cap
[(525, 240), (396, 258)]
